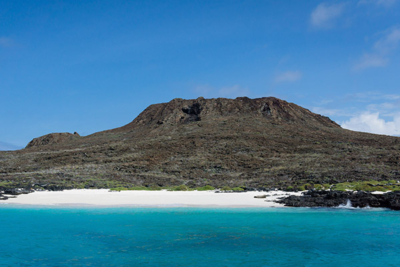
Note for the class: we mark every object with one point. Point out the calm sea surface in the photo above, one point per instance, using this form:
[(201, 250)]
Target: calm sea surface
[(198, 237)]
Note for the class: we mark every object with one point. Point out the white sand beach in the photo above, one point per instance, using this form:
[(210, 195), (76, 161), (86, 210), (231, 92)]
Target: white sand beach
[(103, 197)]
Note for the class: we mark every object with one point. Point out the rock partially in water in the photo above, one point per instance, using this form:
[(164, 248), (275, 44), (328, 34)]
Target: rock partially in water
[(359, 199)]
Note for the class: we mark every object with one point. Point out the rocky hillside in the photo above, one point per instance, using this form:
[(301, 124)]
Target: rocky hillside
[(234, 142), (53, 138)]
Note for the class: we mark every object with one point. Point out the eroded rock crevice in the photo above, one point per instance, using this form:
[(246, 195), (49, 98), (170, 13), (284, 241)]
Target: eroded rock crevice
[(193, 113)]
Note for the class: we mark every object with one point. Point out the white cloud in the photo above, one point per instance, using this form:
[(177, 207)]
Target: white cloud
[(392, 97), (229, 92), (382, 48), (288, 76), (373, 123), (371, 61), (324, 15), (6, 42), (389, 41), (368, 96), (385, 3), (386, 106), (367, 111)]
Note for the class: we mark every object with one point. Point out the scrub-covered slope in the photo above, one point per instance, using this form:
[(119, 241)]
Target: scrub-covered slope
[(235, 142)]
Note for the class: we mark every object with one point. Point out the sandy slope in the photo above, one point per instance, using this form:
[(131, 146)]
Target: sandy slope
[(102, 197)]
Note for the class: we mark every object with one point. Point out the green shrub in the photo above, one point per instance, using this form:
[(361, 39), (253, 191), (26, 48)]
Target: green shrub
[(181, 187), (379, 188), (237, 189), (205, 188), (138, 188), (318, 187), (5, 184), (363, 187), (308, 186), (226, 188), (326, 186), (118, 189), (154, 188), (305, 187), (79, 186), (344, 186)]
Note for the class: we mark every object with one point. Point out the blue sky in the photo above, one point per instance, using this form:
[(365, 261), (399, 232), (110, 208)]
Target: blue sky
[(88, 66)]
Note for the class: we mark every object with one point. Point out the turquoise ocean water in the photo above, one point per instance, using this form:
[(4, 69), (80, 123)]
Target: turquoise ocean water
[(198, 237)]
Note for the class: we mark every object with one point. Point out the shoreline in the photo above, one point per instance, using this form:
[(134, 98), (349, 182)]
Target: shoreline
[(150, 199)]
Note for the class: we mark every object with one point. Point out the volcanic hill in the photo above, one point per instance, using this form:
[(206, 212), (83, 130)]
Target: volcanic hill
[(246, 142)]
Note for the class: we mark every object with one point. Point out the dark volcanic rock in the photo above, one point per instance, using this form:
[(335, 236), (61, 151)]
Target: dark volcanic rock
[(17, 191), (359, 199)]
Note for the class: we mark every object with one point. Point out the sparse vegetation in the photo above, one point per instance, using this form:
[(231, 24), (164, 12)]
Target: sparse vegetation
[(237, 189), (205, 188), (368, 186), (180, 188), (318, 187), (226, 188)]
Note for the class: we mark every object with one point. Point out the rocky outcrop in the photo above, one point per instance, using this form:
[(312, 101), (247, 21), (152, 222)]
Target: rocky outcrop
[(17, 191), (53, 138), (180, 111), (359, 199)]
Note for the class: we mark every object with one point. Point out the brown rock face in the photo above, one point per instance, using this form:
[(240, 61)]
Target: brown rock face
[(53, 138), (179, 111)]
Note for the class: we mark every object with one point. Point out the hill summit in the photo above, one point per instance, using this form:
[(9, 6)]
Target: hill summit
[(180, 111)]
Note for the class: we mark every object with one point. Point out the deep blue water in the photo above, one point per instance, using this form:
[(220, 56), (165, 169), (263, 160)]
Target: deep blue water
[(198, 237)]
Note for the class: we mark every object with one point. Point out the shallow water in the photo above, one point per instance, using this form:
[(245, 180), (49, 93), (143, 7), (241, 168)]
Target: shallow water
[(43, 236)]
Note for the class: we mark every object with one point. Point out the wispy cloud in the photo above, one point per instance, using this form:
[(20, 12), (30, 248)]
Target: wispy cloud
[(6, 42), (385, 3), (288, 76), (381, 49), (371, 61), (385, 106), (389, 41), (372, 122), (229, 92), (371, 96), (324, 15)]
